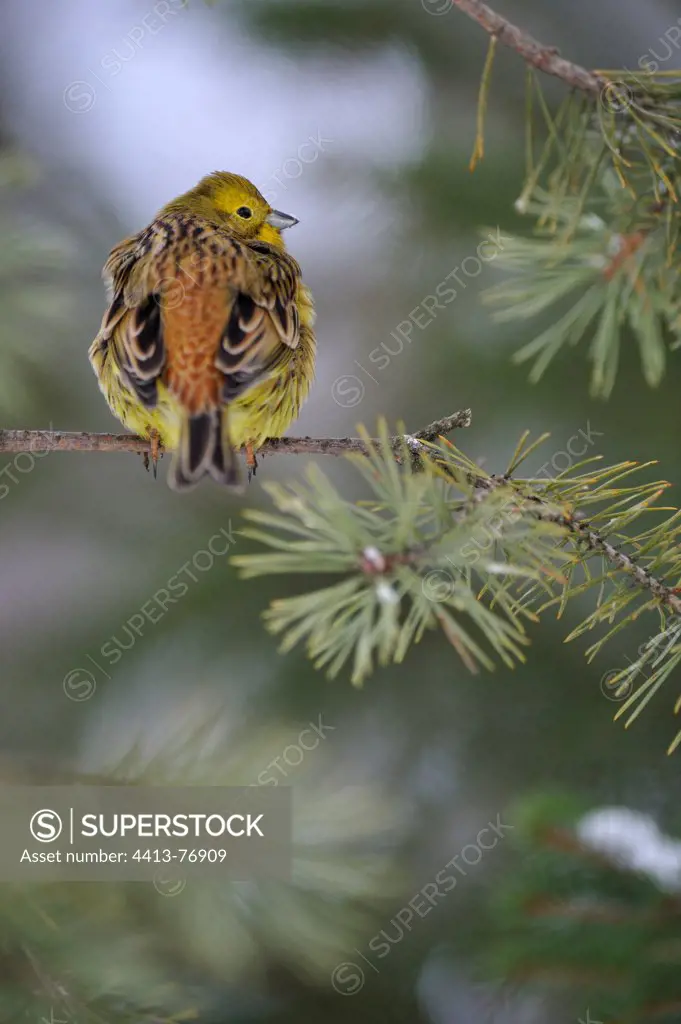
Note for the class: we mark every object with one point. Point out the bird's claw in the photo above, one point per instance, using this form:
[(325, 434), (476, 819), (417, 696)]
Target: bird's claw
[(152, 456), (251, 462)]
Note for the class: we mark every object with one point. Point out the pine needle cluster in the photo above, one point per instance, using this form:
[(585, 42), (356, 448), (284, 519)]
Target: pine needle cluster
[(440, 544), (602, 187)]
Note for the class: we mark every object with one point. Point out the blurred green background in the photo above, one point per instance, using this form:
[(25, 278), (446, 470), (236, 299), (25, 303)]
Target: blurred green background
[(359, 119)]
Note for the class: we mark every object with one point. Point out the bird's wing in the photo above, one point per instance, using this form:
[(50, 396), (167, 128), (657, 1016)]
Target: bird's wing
[(263, 325), (131, 327), (182, 267)]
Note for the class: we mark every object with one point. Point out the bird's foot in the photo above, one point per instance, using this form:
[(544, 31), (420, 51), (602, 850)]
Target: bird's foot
[(154, 450), (251, 462)]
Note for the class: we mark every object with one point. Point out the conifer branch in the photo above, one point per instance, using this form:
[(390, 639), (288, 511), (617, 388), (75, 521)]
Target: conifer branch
[(83, 441), (595, 543), (602, 188), (544, 58), (589, 538), (442, 544)]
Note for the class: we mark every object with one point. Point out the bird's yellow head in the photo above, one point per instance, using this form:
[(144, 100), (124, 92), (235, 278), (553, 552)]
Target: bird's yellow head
[(234, 202)]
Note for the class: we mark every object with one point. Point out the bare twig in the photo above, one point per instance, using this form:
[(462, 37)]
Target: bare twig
[(78, 441), (439, 428), (545, 58)]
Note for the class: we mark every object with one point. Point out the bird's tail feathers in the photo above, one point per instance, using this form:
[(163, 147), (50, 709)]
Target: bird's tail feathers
[(204, 449)]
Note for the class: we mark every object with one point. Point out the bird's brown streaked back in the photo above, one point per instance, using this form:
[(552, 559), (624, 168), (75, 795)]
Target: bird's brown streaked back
[(204, 306)]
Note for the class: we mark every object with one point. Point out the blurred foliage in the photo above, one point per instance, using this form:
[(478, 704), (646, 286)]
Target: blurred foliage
[(131, 952), (582, 909), (355, 25), (33, 288)]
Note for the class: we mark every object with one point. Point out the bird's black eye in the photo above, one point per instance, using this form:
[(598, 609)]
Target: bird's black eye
[(245, 212)]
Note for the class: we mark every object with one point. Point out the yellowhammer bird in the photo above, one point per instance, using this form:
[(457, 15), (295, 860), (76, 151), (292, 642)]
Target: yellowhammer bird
[(207, 344)]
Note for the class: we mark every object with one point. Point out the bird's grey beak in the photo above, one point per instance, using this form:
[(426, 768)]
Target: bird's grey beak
[(277, 219)]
